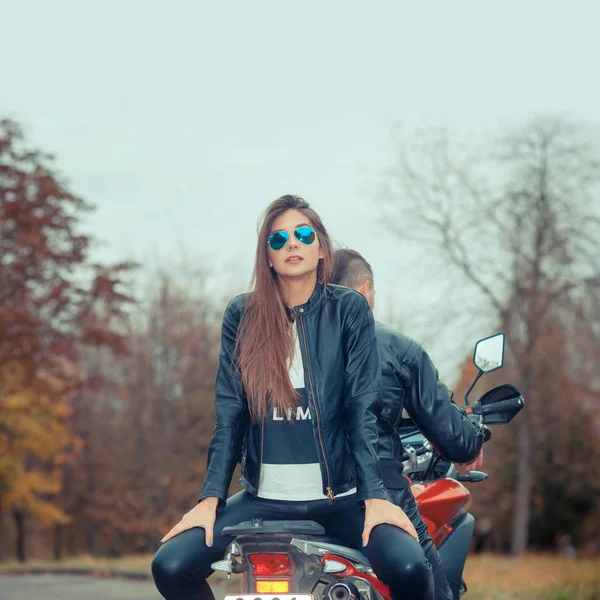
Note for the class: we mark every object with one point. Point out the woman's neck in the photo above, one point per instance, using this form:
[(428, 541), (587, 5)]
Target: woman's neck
[(297, 290)]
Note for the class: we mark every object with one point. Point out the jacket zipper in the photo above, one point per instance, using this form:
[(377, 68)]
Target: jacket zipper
[(330, 495)]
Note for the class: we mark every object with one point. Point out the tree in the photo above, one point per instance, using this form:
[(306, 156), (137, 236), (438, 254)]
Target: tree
[(53, 302), (521, 226), (146, 419), (566, 457), (35, 442)]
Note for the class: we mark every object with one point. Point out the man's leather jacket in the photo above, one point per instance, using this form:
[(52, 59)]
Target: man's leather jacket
[(410, 381), (342, 372)]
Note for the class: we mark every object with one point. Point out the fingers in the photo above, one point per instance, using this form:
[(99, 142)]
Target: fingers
[(398, 520), (186, 524), (475, 464), (404, 524), (181, 526), (208, 534), (407, 526), (480, 460), (203, 515), (366, 534)]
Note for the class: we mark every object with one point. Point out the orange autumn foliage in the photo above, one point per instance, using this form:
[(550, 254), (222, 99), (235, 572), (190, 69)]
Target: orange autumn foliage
[(35, 442)]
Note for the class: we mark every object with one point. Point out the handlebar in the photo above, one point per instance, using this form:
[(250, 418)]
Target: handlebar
[(502, 406), (418, 452), (490, 412)]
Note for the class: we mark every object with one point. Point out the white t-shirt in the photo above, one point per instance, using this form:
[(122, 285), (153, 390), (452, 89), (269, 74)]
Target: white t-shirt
[(290, 468)]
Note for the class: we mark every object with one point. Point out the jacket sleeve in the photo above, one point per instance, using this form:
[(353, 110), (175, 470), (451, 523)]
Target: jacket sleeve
[(362, 401), (429, 405), (232, 414)]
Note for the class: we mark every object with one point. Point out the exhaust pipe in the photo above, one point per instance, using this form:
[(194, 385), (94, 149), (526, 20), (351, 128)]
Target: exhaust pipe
[(342, 590)]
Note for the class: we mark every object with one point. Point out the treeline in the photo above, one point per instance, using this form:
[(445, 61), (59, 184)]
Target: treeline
[(562, 415), (106, 377), (107, 384)]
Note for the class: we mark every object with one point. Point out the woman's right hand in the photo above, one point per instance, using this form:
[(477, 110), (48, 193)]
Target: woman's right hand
[(202, 515)]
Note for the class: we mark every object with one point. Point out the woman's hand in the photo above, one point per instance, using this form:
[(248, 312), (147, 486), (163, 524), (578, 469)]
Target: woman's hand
[(378, 511), (202, 515)]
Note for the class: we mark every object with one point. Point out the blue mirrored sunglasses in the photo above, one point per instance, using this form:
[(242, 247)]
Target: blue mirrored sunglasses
[(304, 234)]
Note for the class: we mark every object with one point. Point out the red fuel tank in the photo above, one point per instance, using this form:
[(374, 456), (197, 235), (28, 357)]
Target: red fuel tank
[(440, 504)]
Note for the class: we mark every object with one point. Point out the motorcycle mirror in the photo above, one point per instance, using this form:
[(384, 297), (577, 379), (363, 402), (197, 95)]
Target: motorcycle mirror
[(489, 353), (488, 357)]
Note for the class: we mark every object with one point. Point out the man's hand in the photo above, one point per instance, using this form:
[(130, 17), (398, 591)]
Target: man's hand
[(202, 515), (378, 511), (475, 464)]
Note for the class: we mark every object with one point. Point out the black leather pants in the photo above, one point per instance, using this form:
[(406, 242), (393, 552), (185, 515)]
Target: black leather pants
[(406, 501), (182, 564)]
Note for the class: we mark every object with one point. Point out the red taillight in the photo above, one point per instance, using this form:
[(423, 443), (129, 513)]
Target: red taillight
[(269, 564)]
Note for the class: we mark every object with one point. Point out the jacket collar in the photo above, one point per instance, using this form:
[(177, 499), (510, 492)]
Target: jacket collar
[(311, 304)]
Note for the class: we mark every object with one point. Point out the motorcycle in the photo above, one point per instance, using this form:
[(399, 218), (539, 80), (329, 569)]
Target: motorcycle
[(297, 560)]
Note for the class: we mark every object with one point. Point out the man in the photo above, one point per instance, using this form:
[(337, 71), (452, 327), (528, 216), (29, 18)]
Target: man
[(410, 381)]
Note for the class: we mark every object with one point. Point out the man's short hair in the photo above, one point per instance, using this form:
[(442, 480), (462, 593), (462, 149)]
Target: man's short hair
[(350, 269)]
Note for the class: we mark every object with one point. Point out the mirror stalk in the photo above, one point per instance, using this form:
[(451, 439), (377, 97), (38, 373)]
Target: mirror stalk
[(477, 378)]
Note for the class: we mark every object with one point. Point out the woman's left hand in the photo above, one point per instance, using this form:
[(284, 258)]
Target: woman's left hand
[(379, 511)]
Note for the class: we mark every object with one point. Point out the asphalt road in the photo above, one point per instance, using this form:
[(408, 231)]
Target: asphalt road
[(61, 587)]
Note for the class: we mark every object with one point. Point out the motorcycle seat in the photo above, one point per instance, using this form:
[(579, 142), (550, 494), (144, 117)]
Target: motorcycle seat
[(302, 529), (258, 526)]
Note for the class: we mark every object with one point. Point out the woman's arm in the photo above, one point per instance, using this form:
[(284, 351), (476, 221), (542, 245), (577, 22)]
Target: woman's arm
[(362, 403), (232, 412), (362, 406)]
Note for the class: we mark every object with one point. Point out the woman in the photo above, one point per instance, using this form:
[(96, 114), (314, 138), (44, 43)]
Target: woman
[(297, 381)]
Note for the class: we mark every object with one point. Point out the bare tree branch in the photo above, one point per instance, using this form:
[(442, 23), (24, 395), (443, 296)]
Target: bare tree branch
[(522, 226)]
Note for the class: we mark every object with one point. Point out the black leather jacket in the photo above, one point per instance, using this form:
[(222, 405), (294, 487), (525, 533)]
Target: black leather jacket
[(410, 381), (342, 373)]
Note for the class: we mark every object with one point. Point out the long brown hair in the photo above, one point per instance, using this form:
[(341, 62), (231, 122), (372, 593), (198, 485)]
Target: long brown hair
[(265, 341)]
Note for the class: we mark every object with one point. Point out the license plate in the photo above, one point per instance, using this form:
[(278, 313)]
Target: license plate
[(270, 597)]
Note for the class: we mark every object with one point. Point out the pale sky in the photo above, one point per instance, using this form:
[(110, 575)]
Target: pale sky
[(181, 121)]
